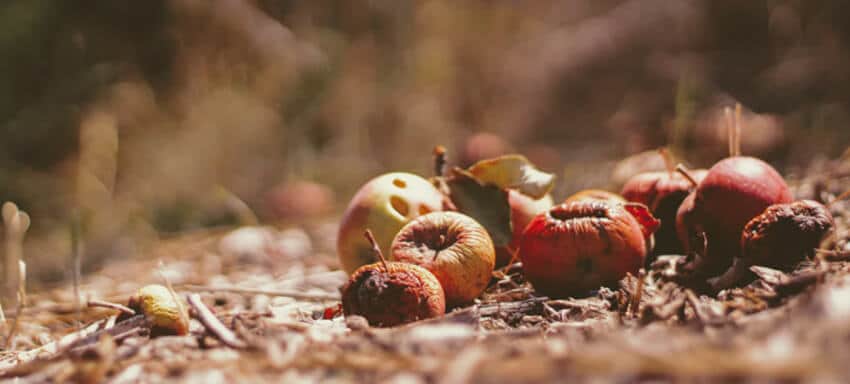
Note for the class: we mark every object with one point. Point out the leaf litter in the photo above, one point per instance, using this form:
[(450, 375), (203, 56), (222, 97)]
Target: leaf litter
[(270, 314)]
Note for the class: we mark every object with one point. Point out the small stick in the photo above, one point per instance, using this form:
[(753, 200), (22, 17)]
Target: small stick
[(439, 160), (376, 249), (269, 292), (737, 134), (638, 293), (95, 303), (22, 297), (840, 197), (213, 324), (184, 314), (730, 131), (668, 160), (76, 262), (439, 247), (833, 255), (686, 173)]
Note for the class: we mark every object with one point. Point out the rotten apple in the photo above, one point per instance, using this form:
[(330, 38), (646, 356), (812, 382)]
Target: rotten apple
[(454, 247), (579, 246), (392, 293), (780, 237)]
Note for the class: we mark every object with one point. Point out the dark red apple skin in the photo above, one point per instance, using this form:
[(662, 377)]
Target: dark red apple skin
[(663, 193), (685, 222), (734, 191), (579, 246)]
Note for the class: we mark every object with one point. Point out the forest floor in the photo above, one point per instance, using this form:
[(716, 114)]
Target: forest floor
[(280, 299)]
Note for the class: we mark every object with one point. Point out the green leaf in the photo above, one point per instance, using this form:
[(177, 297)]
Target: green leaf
[(514, 172), (487, 204)]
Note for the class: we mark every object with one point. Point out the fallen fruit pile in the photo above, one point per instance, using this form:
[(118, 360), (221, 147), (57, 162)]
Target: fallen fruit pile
[(459, 226)]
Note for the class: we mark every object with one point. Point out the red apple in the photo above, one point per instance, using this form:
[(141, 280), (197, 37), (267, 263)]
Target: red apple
[(523, 210), (579, 246), (454, 247), (734, 191), (384, 205), (663, 193)]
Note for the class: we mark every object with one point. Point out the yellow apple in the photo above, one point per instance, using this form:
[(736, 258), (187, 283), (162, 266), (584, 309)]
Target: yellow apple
[(383, 205)]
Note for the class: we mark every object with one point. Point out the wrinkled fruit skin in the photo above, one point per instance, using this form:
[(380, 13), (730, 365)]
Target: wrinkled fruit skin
[(663, 193), (785, 234), (523, 210), (579, 246), (454, 247), (158, 304), (735, 190), (401, 294), (780, 238), (383, 205), (595, 194)]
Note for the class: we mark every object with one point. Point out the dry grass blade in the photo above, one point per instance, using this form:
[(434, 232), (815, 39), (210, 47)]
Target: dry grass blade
[(268, 292), (212, 324), (94, 303)]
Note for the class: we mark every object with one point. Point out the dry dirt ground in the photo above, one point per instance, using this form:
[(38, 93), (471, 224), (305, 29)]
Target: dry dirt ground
[(277, 291)]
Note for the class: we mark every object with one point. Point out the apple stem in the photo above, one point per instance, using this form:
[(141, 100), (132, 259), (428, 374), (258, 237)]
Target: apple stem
[(440, 246), (376, 249), (686, 173), (840, 197), (737, 135), (439, 160), (730, 131), (668, 160)]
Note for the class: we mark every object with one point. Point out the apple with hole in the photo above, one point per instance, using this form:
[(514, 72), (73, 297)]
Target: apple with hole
[(454, 247), (579, 246), (383, 205)]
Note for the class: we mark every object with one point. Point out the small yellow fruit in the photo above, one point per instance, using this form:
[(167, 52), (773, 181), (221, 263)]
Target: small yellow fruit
[(161, 308)]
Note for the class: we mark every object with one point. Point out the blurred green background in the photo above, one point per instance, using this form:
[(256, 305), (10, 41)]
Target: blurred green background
[(143, 118)]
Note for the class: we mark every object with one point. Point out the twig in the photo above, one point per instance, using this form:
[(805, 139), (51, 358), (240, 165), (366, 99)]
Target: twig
[(439, 160), (16, 222), (668, 160), (94, 303), (833, 255), (22, 297), (513, 306), (635, 305), (376, 249), (686, 173), (213, 324), (184, 315), (737, 134), (838, 198), (697, 307), (76, 262), (89, 334), (269, 292)]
